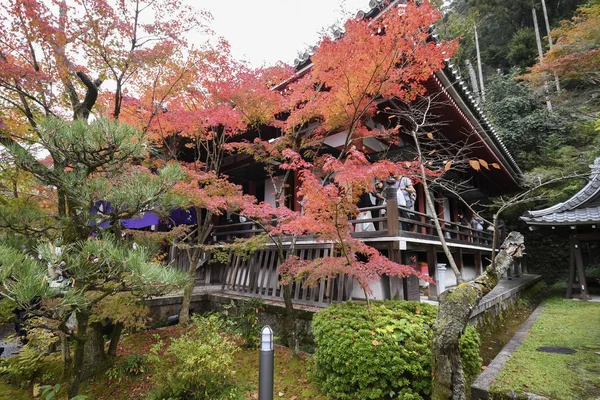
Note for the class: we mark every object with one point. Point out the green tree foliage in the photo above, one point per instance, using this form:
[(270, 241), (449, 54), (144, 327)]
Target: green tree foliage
[(383, 353), (576, 54), (77, 266), (528, 129), (521, 48), (505, 29)]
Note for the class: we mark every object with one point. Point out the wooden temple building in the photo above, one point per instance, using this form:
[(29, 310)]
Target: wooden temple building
[(463, 120), (579, 219)]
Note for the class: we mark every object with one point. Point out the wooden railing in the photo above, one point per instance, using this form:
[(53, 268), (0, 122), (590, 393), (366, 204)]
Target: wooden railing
[(258, 276), (385, 221), (403, 222)]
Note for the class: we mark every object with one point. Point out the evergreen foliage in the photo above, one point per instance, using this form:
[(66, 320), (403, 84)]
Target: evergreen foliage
[(504, 29), (74, 262), (383, 353)]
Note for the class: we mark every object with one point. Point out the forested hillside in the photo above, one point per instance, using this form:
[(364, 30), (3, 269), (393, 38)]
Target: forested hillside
[(547, 112)]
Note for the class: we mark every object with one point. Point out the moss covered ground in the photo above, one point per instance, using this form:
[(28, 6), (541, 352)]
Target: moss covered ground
[(562, 323), (293, 374)]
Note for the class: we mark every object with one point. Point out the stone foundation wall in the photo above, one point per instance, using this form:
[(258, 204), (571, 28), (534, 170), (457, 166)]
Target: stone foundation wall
[(490, 308), (495, 304)]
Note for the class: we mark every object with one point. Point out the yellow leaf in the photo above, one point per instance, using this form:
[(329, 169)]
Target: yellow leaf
[(432, 152), (430, 135), (484, 163), (475, 165), (495, 165), (447, 165)]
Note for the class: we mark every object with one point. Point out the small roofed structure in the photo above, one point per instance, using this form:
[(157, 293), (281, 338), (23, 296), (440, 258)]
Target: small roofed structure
[(579, 217)]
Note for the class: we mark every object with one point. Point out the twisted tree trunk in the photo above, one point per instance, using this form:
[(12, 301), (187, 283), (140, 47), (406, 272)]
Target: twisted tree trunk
[(455, 307)]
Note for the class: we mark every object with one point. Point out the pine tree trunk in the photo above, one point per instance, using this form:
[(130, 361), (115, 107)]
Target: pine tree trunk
[(114, 339), (95, 358), (455, 306), (65, 352), (78, 356)]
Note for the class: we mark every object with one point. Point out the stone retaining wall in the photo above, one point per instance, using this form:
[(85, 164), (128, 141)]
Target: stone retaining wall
[(504, 295)]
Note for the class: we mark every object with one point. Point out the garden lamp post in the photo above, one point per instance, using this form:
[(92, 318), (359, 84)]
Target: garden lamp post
[(266, 364)]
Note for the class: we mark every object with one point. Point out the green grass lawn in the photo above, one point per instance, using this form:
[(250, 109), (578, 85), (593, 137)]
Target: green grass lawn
[(562, 323), (292, 374)]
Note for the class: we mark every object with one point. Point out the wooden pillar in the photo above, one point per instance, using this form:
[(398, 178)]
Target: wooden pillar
[(296, 206), (393, 225), (571, 277), (478, 264), (458, 259), (411, 282), (432, 263), (421, 206), (252, 188), (584, 294), (396, 284), (440, 214)]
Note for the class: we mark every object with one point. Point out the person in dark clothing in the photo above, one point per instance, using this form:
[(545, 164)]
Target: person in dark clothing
[(365, 201), (379, 201)]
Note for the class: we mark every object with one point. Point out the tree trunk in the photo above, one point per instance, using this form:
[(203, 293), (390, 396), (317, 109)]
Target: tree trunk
[(114, 339), (188, 290), (454, 311), (95, 358), (184, 313), (202, 235), (65, 352), (78, 356), (288, 326)]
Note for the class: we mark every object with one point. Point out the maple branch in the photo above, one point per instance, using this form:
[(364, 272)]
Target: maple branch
[(83, 109)]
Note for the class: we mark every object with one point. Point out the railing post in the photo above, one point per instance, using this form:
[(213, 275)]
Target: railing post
[(393, 225)]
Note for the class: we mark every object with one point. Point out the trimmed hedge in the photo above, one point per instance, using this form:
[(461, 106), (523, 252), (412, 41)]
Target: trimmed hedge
[(381, 354)]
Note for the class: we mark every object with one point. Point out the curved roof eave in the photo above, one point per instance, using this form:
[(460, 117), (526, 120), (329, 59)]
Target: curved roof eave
[(588, 192)]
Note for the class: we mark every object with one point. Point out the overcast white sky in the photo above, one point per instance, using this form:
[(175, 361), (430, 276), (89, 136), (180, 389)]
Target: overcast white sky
[(267, 31)]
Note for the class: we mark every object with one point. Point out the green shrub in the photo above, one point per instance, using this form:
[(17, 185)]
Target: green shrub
[(22, 368), (384, 353), (7, 310), (469, 350), (197, 365), (131, 365), (243, 318)]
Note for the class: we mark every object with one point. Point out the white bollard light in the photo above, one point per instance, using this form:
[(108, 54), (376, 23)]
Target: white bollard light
[(266, 364)]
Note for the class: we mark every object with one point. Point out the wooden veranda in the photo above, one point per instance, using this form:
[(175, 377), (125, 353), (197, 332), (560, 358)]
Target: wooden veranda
[(397, 237)]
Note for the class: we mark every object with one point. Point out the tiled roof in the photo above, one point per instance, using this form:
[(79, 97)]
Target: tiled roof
[(579, 209)]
